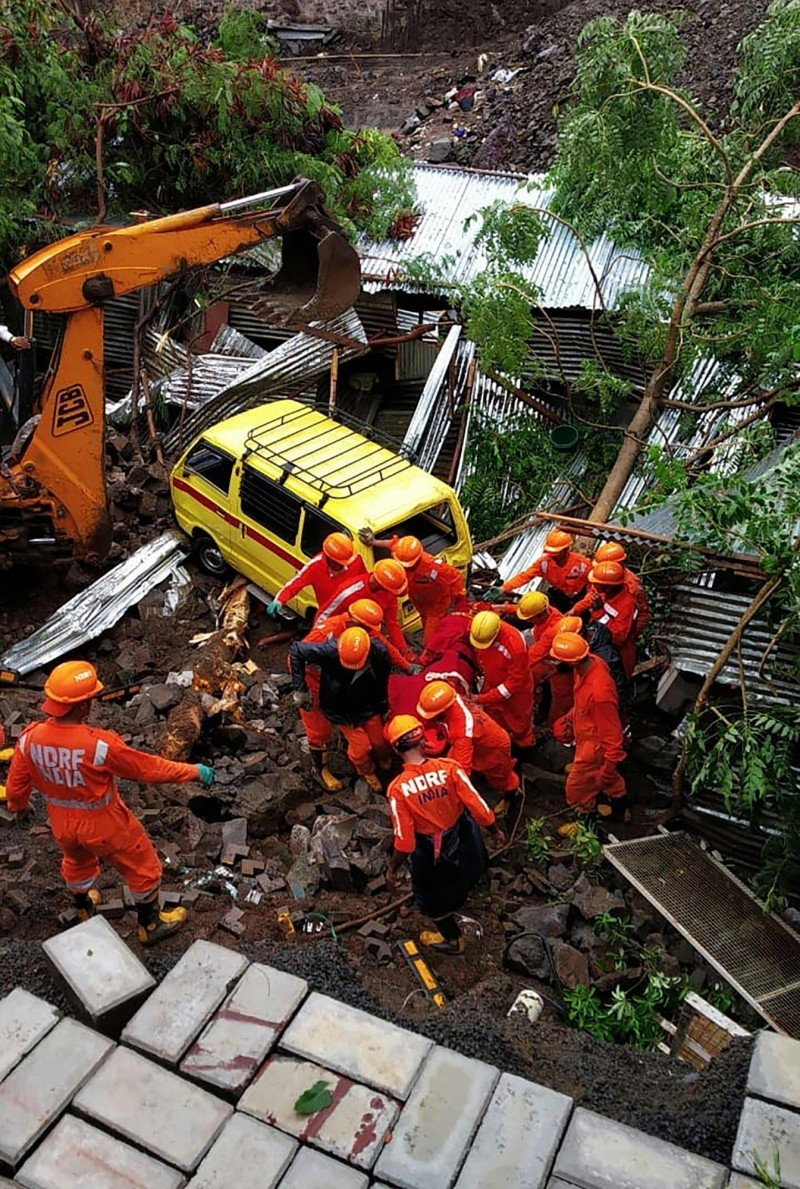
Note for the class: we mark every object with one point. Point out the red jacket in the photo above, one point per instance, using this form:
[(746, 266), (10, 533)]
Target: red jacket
[(569, 577), (618, 612), (433, 585), (505, 668), (323, 580), (359, 588), (429, 798), (72, 762)]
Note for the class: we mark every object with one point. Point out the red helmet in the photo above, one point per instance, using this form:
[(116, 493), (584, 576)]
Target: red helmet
[(609, 551), (366, 612), (557, 540), (391, 576), (408, 551), (435, 698), (339, 548), (607, 573), (68, 684), (353, 648)]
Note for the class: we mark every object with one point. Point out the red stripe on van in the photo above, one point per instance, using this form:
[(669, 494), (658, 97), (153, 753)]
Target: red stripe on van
[(258, 537)]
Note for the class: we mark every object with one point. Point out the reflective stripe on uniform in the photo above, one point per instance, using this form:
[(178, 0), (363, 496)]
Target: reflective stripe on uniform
[(469, 721), (504, 691), (61, 803), (501, 648), (609, 612), (337, 601), (100, 753)]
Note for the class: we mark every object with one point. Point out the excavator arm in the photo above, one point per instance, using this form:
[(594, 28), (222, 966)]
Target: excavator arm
[(53, 493)]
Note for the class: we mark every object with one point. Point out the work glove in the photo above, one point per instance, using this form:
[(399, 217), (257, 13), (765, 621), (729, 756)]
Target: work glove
[(205, 775), (366, 536), (414, 669), (275, 607), (493, 594), (302, 697)]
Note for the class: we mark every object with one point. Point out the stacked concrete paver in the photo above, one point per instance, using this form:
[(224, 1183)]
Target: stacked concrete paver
[(201, 1086)]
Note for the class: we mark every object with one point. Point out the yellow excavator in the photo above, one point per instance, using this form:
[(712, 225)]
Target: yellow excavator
[(53, 490)]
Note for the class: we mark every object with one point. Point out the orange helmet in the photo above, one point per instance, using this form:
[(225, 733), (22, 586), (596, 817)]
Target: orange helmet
[(609, 551), (569, 647), (408, 551), (435, 698), (403, 731), (366, 612), (607, 573), (68, 684), (391, 576), (570, 623), (485, 626), (557, 540), (339, 548), (353, 648), (532, 604)]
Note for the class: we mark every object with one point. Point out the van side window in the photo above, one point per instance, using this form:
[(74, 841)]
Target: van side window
[(211, 464), (270, 505), (315, 529)]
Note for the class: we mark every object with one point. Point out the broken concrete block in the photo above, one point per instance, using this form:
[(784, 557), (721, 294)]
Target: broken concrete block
[(374, 929), (234, 832), (251, 867), (112, 910), (102, 976), (75, 1153), (232, 922), (232, 852), (24, 1021)]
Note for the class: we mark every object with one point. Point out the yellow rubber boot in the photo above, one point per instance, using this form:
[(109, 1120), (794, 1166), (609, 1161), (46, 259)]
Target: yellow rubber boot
[(326, 778), (373, 782), (86, 903), (155, 926), (432, 939)]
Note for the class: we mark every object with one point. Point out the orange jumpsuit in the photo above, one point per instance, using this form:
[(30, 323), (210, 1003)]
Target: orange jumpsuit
[(618, 613), (478, 744), (569, 576), (73, 766), (634, 586), (595, 726), (507, 692), (433, 585), (543, 634), (323, 579), (359, 588), (317, 727)]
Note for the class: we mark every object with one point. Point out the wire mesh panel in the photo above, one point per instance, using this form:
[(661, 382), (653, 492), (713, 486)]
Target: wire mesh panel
[(754, 951)]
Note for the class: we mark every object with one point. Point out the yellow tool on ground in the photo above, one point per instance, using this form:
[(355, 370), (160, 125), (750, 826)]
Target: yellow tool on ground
[(422, 970), (5, 755)]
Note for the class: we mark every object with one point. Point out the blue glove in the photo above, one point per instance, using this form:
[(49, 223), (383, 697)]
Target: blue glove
[(205, 775), (275, 607)]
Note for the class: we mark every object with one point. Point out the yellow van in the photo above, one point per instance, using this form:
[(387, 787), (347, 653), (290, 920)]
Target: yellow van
[(260, 491)]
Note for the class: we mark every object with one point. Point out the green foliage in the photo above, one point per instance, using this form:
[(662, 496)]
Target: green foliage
[(718, 995), (617, 932), (769, 1176), (180, 123), (316, 1098), (586, 847), (625, 1018), (768, 81), (537, 842)]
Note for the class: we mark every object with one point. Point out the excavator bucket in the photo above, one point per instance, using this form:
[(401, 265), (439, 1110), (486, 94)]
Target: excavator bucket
[(319, 278)]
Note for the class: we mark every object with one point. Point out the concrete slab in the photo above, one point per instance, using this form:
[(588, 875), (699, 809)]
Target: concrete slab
[(737, 1181), (312, 1170), (775, 1069), (155, 1109), (174, 1015), (76, 1155), (763, 1127), (24, 1020), (353, 1127), (247, 1155), (38, 1090), (598, 1153), (518, 1137), (360, 1046), (438, 1122), (101, 975), (239, 1036)]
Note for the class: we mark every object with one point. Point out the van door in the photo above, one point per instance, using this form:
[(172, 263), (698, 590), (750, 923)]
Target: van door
[(266, 548), (203, 487)]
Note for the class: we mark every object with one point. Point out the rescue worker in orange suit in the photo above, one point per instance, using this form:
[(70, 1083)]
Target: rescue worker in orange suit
[(362, 613), (507, 690), (563, 569), (472, 738), (433, 584), (538, 620), (73, 766), (436, 815), (336, 564), (384, 585), (354, 677), (607, 601), (593, 725), (612, 551)]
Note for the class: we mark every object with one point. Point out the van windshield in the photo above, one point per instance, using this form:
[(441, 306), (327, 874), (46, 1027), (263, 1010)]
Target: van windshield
[(435, 528)]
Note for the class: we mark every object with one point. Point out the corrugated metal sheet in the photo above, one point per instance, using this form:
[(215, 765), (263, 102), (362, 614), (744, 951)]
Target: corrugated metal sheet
[(699, 623), (228, 341), (448, 197), (431, 394), (288, 370), (100, 605)]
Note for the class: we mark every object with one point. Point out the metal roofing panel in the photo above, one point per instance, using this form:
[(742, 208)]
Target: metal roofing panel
[(448, 197)]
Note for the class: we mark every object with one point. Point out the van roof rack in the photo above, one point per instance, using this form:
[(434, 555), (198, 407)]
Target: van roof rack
[(343, 468)]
